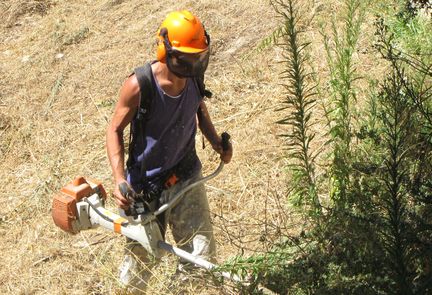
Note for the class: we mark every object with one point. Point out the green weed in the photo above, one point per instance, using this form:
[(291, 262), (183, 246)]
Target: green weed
[(298, 104), (375, 237)]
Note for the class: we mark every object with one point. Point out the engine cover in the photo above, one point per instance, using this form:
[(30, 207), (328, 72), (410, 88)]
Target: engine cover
[(64, 206)]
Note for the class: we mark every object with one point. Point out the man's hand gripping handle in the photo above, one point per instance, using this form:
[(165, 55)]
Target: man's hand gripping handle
[(225, 141), (130, 195)]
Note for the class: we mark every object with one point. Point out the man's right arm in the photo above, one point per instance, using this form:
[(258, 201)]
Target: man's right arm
[(124, 111)]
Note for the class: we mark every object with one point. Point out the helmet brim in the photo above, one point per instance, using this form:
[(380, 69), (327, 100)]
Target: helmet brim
[(189, 49)]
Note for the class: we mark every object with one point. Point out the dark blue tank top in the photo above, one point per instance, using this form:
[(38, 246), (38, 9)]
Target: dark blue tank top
[(170, 133)]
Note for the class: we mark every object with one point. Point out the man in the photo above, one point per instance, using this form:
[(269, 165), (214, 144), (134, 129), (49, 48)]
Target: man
[(166, 143)]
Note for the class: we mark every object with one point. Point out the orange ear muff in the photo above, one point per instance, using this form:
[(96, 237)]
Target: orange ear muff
[(161, 50)]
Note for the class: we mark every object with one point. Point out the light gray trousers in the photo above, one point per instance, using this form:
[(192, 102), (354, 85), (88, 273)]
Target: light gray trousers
[(191, 228)]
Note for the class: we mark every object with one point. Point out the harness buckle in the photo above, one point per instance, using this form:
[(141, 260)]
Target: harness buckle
[(171, 181)]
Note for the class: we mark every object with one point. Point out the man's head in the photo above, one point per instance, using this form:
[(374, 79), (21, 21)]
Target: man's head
[(183, 44)]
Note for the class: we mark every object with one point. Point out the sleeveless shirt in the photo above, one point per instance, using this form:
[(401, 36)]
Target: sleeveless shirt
[(169, 133)]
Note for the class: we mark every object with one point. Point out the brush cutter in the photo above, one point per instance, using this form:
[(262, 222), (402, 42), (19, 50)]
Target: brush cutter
[(80, 205)]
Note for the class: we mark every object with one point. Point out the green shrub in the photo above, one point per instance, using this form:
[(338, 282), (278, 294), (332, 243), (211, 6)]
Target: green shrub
[(375, 237)]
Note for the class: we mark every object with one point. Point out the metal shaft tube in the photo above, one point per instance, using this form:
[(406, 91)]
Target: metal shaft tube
[(196, 260)]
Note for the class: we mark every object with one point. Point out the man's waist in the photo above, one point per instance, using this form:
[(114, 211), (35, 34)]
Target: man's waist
[(183, 170)]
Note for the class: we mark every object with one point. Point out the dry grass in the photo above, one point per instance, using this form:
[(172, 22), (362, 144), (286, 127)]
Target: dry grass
[(62, 64), (11, 11), (54, 112)]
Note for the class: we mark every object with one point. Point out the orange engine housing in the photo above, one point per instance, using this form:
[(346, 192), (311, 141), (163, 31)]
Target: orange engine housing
[(64, 206)]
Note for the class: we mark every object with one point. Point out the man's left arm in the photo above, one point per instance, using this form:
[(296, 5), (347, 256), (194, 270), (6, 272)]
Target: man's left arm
[(207, 128)]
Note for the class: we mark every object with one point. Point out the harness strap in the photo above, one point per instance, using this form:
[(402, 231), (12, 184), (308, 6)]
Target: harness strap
[(202, 89), (145, 80)]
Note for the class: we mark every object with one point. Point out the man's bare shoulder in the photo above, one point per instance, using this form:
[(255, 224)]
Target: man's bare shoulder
[(129, 94), (131, 85)]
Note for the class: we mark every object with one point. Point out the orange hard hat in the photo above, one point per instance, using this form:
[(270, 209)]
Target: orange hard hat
[(185, 34)]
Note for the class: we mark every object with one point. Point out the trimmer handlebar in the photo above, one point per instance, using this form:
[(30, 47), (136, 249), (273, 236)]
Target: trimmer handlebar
[(225, 146), (180, 194), (225, 141)]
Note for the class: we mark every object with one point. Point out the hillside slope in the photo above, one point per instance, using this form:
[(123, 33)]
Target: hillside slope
[(62, 64)]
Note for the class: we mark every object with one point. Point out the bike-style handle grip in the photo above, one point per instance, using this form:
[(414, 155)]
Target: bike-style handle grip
[(225, 141), (127, 191), (124, 189), (129, 194)]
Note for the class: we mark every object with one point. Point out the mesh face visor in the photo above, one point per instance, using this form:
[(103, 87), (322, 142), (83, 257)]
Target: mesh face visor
[(185, 64), (188, 64)]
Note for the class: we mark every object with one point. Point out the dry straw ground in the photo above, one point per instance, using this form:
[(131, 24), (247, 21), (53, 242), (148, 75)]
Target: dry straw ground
[(62, 64)]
